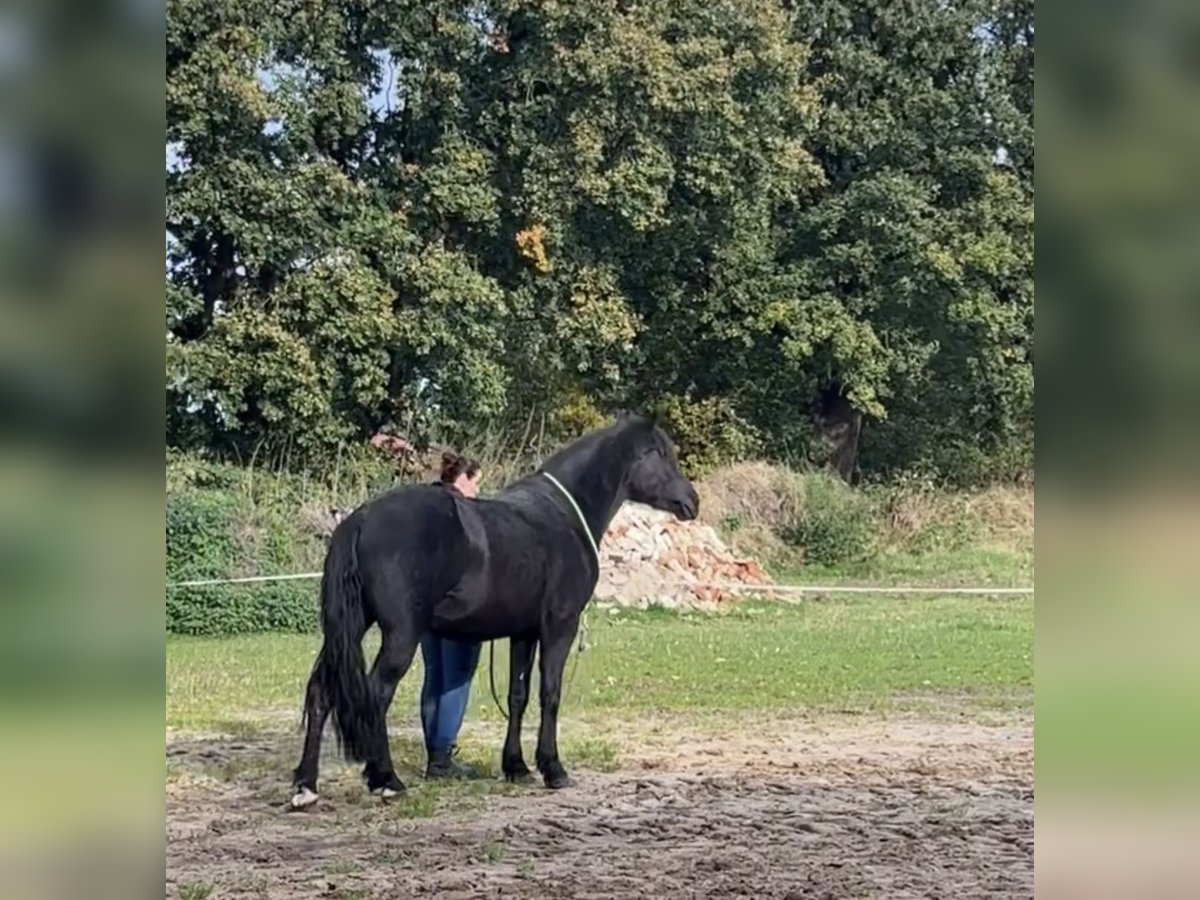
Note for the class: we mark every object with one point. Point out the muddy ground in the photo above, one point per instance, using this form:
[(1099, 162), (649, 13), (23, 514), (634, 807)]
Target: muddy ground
[(794, 809)]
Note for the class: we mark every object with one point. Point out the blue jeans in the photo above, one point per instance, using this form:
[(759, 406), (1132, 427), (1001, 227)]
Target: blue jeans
[(449, 668)]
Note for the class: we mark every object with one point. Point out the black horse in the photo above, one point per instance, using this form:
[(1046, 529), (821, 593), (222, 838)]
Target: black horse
[(521, 566)]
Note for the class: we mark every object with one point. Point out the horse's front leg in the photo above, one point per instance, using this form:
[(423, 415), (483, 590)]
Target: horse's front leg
[(556, 647), (520, 668)]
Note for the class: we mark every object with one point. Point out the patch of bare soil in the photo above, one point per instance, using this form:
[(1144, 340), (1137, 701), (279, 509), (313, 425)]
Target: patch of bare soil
[(802, 810)]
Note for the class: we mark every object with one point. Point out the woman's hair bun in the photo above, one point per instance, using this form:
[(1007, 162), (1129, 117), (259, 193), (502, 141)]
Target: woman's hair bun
[(452, 466)]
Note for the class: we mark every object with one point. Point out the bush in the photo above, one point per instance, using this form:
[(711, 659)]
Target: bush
[(784, 518), (199, 528), (837, 524), (227, 610), (210, 534), (576, 414), (708, 433)]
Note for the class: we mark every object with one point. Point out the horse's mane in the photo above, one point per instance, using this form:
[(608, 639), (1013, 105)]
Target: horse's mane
[(626, 431), (628, 428)]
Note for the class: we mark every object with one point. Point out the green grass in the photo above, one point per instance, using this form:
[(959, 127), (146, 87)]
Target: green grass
[(941, 566), (864, 654)]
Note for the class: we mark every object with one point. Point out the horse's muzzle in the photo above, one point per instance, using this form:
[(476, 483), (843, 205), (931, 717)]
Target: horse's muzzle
[(688, 507)]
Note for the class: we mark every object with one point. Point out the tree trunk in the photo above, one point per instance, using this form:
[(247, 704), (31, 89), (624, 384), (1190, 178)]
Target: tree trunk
[(839, 425)]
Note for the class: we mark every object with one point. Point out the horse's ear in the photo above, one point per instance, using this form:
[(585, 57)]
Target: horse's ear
[(657, 413), (652, 418)]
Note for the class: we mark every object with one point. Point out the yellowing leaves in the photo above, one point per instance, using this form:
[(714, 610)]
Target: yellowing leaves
[(943, 263), (531, 245), (600, 311), (576, 413)]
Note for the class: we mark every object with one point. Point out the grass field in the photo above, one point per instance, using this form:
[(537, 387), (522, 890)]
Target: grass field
[(956, 567), (861, 655), (836, 733)]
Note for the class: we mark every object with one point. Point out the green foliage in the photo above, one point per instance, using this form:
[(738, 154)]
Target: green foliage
[(469, 216), (215, 533), (194, 890), (837, 525), (707, 432), (228, 521), (575, 415), (199, 531)]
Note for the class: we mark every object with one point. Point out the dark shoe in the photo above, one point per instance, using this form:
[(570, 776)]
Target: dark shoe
[(442, 765)]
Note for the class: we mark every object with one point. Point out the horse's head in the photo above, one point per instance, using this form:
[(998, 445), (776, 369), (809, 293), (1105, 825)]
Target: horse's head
[(654, 477)]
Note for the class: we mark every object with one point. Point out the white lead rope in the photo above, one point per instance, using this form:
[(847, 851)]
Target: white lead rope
[(582, 521), (732, 586), (583, 629), (250, 579)]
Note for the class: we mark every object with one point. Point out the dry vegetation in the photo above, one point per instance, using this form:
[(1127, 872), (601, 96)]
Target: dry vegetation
[(778, 516)]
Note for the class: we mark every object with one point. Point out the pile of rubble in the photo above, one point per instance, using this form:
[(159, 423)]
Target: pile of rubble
[(649, 558)]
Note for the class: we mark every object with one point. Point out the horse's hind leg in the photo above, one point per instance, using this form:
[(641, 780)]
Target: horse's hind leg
[(316, 711), (512, 761), (395, 656)]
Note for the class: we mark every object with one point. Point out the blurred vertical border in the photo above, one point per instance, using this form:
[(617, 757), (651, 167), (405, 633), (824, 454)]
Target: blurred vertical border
[(81, 541), (1118, 448), (81, 425)]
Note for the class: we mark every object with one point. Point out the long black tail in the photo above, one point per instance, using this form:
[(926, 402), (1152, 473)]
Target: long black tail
[(341, 669)]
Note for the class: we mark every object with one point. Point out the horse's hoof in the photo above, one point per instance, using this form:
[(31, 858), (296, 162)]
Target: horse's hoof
[(525, 777), (388, 789), (303, 798), (558, 782)]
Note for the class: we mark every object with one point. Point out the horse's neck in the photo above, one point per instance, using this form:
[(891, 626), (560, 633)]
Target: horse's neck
[(603, 511), (598, 498)]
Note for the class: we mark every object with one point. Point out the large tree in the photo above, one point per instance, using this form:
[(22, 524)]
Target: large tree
[(909, 278), (314, 188), (774, 219)]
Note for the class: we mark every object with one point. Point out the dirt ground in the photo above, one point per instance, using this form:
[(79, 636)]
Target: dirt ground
[(791, 809)]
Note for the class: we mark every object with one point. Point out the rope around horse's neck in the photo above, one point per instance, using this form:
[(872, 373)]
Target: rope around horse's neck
[(578, 512), (581, 646), (492, 678), (595, 552), (582, 618)]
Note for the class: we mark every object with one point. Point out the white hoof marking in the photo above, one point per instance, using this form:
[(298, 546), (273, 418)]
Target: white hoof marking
[(389, 793), (303, 798)]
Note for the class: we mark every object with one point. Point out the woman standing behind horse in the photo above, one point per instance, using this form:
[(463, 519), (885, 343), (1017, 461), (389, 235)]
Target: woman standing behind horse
[(449, 665)]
